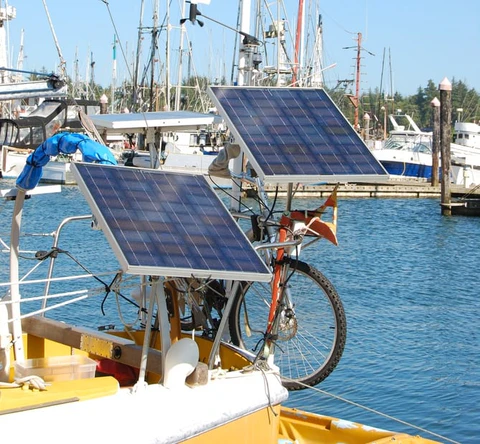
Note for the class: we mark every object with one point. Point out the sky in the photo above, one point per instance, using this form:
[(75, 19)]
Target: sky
[(404, 43)]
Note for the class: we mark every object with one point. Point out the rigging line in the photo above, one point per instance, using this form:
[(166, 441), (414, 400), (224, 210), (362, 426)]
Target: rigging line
[(340, 398), (322, 10), (118, 37), (471, 191), (123, 53)]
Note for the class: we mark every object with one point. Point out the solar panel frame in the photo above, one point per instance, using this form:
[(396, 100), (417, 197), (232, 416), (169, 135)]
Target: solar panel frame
[(164, 121), (167, 224), (295, 135)]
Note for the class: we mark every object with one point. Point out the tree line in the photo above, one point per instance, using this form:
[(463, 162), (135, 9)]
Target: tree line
[(374, 103), (465, 104)]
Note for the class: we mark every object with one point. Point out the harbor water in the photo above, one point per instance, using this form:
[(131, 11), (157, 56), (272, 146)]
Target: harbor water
[(408, 280)]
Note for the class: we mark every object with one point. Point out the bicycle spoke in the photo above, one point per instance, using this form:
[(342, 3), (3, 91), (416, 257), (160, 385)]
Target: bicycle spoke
[(309, 334)]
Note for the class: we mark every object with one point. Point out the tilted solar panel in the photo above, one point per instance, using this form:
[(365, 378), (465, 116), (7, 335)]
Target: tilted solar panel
[(167, 224), (295, 135)]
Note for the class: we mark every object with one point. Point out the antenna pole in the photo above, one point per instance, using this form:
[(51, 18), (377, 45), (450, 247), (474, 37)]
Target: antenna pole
[(357, 80)]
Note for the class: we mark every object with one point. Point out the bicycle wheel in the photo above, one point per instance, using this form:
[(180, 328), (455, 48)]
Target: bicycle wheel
[(311, 332)]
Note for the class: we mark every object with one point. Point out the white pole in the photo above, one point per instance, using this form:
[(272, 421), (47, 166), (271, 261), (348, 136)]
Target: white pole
[(114, 73), (14, 276), (237, 166), (245, 6)]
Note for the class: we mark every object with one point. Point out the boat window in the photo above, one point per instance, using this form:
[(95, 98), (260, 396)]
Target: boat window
[(423, 148), (55, 124), (45, 109), (92, 110), (72, 112), (32, 135)]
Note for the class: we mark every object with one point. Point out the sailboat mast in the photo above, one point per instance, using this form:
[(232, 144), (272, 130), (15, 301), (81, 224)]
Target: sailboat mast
[(357, 80), (20, 58), (76, 76), (316, 79), (242, 78), (137, 59), (60, 55), (167, 58), (178, 88), (114, 73), (152, 55), (298, 35)]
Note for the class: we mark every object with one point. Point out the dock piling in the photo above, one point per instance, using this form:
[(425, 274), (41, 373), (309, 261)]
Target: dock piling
[(435, 104), (445, 88)]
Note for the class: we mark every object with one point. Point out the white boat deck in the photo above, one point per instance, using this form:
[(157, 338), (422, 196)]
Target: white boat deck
[(161, 415)]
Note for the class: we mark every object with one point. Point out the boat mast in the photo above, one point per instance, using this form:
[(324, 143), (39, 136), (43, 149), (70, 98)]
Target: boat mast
[(6, 14), (75, 75), (316, 77), (243, 53), (152, 55), (114, 74), (178, 88), (20, 57), (137, 60), (298, 34), (242, 79), (357, 80), (63, 64), (167, 58)]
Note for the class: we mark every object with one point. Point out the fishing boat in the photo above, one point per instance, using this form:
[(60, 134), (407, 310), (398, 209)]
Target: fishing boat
[(22, 135), (408, 153), (467, 134)]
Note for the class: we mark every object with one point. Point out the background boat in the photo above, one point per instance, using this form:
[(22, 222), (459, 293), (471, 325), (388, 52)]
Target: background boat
[(20, 136), (408, 152), (467, 134)]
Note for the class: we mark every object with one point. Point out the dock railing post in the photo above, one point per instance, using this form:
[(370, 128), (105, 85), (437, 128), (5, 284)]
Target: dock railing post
[(445, 88), (435, 104)]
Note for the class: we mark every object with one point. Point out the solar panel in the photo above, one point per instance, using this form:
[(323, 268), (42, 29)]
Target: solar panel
[(167, 224), (295, 135)]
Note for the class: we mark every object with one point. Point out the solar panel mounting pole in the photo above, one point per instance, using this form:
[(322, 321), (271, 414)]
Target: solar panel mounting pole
[(157, 296), (14, 275), (162, 315), (289, 196), (214, 358), (238, 161)]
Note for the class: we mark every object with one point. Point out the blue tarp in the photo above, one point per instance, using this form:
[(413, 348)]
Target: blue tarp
[(61, 143)]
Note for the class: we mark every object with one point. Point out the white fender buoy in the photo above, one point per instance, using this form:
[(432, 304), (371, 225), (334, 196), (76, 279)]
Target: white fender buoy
[(180, 361)]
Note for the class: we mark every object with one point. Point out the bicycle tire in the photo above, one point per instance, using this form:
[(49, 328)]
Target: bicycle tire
[(312, 348)]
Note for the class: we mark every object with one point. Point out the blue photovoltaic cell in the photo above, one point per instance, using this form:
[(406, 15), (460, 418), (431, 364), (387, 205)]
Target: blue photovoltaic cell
[(291, 134), (167, 224)]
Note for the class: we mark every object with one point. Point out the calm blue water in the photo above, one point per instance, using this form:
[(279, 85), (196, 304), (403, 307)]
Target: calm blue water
[(408, 278)]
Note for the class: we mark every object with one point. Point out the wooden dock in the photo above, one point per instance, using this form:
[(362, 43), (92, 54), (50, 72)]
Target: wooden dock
[(391, 189)]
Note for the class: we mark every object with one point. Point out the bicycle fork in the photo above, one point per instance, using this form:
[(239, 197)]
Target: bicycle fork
[(280, 305)]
